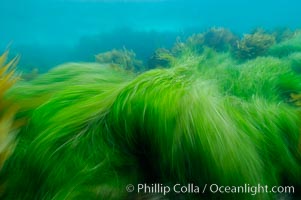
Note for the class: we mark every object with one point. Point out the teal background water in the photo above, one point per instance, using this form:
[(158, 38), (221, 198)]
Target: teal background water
[(49, 32)]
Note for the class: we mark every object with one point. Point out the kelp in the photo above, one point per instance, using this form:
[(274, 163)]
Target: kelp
[(8, 125)]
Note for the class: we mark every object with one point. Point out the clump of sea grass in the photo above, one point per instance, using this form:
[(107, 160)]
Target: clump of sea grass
[(282, 33), (295, 59), (161, 58), (195, 42), (287, 47), (267, 77), (180, 118)]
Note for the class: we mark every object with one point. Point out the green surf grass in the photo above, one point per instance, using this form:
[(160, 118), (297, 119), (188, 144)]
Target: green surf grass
[(287, 47), (207, 119)]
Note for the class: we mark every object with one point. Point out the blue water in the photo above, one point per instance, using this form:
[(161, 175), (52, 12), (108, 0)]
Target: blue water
[(48, 32)]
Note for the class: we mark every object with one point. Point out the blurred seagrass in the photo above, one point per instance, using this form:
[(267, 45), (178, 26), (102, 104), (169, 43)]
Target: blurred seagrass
[(207, 118)]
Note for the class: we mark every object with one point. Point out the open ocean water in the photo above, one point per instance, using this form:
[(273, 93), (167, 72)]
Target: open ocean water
[(50, 32)]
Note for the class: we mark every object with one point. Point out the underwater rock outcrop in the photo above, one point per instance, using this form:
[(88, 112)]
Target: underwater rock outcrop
[(122, 58), (220, 39), (253, 45)]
